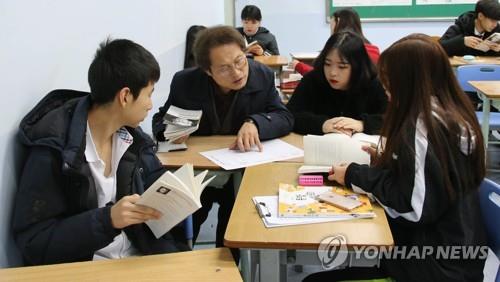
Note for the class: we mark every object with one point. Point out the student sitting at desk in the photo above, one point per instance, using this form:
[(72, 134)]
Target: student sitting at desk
[(342, 93), (471, 28), (427, 174), (252, 31), (237, 96), (342, 19), (87, 162)]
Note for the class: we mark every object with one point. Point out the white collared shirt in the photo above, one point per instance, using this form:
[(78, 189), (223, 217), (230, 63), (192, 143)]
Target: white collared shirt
[(476, 32), (106, 188)]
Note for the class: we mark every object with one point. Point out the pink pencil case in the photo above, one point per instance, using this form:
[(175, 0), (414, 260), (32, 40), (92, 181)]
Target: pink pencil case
[(311, 180)]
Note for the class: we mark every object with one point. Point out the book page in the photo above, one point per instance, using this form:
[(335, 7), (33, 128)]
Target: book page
[(175, 195), (172, 203), (180, 122), (186, 175), (333, 149), (182, 113)]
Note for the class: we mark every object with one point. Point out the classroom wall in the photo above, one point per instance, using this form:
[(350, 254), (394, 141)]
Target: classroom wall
[(301, 26), (48, 44)]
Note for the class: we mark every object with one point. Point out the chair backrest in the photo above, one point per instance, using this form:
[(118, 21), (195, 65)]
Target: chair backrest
[(476, 72), (489, 198)]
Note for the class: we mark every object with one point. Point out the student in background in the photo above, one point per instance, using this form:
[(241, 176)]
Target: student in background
[(427, 174), (190, 37), (237, 97), (342, 93), (342, 19), (87, 162), (252, 31), (471, 28)]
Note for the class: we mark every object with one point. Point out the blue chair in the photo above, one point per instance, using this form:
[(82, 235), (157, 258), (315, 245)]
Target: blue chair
[(480, 73), (476, 72), (188, 229), (489, 199)]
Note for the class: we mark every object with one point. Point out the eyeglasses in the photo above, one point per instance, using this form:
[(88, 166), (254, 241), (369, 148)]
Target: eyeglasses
[(227, 70)]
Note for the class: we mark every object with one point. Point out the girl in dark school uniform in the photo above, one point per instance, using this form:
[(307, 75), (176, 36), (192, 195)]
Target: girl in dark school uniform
[(342, 93), (427, 172)]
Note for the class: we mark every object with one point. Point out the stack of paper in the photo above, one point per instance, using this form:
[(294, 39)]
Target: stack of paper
[(180, 122)]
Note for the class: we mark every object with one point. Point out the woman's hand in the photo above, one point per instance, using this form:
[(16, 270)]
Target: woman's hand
[(337, 173), (348, 123), (329, 127)]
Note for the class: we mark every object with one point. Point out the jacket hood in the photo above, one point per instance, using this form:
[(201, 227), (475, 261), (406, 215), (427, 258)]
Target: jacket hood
[(48, 122), (58, 121), (466, 20), (262, 30)]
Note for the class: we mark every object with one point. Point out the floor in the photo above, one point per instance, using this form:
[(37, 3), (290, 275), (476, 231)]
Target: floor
[(207, 233)]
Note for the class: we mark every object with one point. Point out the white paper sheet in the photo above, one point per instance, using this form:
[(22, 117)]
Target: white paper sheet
[(273, 150)]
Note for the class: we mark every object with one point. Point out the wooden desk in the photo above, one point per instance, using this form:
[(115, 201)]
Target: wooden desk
[(459, 61), (203, 265), (488, 91), (306, 57), (246, 229), (274, 62), (197, 144)]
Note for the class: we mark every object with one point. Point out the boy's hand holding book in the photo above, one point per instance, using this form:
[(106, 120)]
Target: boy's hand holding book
[(126, 212)]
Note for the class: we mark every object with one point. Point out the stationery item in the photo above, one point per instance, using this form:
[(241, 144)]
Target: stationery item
[(267, 208), (301, 201), (273, 150), (321, 152), (166, 146), (176, 195), (340, 201), (311, 180)]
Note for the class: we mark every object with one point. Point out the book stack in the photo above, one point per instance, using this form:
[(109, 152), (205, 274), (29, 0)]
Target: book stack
[(179, 122), (305, 201)]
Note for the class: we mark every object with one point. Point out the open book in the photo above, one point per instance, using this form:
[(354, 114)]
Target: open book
[(179, 122), (484, 45), (176, 195), (248, 45), (301, 201), (323, 151)]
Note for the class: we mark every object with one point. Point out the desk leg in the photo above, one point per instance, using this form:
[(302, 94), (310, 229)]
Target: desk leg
[(485, 126), (246, 263), (269, 266)]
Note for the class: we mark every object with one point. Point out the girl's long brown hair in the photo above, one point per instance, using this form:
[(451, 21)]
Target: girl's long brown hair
[(416, 72)]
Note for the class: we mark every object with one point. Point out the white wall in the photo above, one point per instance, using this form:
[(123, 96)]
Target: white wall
[(301, 25), (49, 44)]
